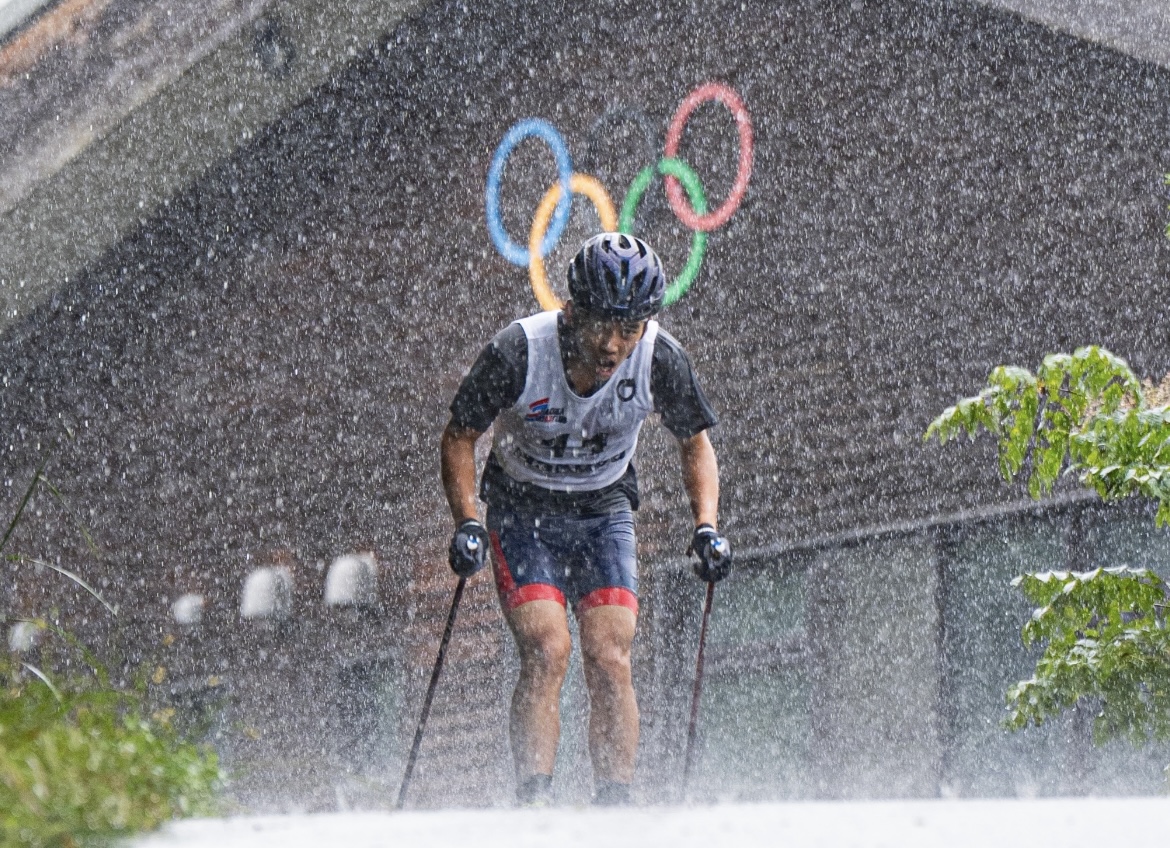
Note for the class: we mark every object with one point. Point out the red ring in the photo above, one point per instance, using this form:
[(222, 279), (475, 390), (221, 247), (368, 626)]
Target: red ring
[(743, 122)]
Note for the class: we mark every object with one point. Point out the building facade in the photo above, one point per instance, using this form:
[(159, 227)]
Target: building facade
[(252, 372)]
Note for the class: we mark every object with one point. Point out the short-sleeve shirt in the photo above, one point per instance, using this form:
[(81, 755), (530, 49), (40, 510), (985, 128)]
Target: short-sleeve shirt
[(496, 382)]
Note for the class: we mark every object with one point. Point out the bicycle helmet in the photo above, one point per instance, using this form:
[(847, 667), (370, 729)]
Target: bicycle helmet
[(617, 276)]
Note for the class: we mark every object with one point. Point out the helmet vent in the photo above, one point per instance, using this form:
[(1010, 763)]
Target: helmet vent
[(619, 275)]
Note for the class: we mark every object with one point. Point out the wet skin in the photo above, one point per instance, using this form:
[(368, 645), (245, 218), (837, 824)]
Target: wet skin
[(541, 631), (597, 347), (594, 349)]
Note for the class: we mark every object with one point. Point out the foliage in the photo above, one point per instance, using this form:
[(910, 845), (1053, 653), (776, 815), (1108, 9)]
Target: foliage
[(1104, 631), (82, 760), (1084, 413), (1107, 640)]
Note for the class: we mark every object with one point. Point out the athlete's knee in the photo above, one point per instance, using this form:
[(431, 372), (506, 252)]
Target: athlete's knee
[(607, 659), (546, 655)]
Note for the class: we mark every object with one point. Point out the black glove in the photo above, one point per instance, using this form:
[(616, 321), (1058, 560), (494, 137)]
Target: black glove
[(469, 546), (714, 553)]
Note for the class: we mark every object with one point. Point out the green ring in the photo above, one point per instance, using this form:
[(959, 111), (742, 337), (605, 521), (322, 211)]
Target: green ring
[(690, 180)]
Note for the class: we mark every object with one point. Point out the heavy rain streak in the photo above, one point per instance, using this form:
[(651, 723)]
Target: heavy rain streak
[(253, 258)]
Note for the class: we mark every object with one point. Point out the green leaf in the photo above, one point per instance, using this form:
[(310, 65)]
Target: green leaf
[(28, 492), (69, 574), (44, 679)]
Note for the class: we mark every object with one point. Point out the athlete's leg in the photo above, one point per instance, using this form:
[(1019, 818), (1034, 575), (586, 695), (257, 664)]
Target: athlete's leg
[(530, 589), (542, 638), (605, 594), (607, 633)]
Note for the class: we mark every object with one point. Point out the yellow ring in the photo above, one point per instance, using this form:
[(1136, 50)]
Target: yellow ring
[(580, 184)]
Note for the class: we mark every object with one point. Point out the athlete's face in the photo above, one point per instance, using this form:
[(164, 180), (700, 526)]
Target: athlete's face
[(603, 343)]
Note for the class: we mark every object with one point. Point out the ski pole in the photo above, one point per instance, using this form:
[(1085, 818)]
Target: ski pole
[(426, 710), (698, 690)]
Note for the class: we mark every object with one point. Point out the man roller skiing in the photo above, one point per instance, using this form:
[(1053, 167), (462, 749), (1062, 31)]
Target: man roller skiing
[(568, 392)]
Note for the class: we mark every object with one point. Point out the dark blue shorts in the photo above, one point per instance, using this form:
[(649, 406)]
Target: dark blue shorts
[(590, 560)]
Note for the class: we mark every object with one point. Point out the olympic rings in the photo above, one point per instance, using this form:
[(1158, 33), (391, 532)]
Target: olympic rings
[(545, 131), (710, 91), (552, 214), (679, 170), (580, 184)]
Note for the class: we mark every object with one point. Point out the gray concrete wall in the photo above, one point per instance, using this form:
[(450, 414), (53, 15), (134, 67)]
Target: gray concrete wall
[(1139, 28), (140, 105)]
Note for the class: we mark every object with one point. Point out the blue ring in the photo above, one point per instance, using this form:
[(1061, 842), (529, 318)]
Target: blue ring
[(544, 130)]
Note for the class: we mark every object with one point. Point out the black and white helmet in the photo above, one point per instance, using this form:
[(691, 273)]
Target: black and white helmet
[(617, 276)]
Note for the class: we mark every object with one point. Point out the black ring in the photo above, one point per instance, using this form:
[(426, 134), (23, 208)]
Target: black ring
[(615, 117)]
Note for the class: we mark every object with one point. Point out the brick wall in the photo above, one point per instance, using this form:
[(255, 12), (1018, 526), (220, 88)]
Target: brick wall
[(936, 189)]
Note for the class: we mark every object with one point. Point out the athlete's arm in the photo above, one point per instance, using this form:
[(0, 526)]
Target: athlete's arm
[(687, 415), (494, 382), (457, 468), (700, 473)]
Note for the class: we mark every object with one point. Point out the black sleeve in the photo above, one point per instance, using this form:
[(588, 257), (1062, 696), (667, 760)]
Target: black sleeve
[(495, 381), (678, 397)]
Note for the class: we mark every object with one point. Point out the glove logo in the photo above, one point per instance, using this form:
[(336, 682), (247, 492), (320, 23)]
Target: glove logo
[(713, 552), (468, 551)]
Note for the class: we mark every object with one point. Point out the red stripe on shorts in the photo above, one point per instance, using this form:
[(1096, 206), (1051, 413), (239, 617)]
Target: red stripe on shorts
[(505, 585), (533, 592), (614, 596), (511, 595)]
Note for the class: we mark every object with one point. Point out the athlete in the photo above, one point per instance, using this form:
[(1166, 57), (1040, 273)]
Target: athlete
[(568, 392)]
